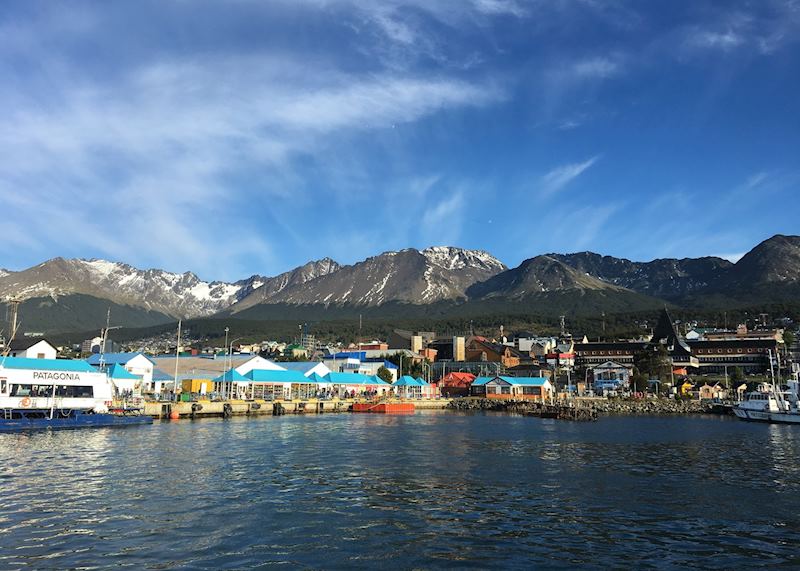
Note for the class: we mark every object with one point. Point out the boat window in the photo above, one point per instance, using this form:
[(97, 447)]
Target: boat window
[(20, 390)]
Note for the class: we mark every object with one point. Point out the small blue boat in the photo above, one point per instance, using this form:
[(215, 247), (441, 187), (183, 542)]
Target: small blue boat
[(24, 419)]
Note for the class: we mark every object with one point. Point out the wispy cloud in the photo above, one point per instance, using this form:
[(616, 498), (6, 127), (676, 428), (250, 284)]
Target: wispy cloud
[(162, 143), (509, 7), (558, 178), (595, 68)]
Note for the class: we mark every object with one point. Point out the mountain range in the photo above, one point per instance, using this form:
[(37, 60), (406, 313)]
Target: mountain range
[(74, 294)]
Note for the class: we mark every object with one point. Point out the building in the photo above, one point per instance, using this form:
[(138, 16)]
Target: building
[(407, 387), (136, 363), (525, 388), (124, 382), (610, 376), (32, 349), (719, 357), (308, 368), (481, 349), (455, 384)]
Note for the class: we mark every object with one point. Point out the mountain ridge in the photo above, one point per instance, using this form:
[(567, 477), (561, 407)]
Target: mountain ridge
[(456, 277)]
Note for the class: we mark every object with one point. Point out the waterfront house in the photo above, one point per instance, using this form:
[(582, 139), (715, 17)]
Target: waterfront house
[(161, 381), (408, 387), (527, 388), (715, 391), (455, 384), (32, 348)]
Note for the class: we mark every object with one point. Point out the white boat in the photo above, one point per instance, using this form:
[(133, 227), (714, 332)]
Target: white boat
[(55, 394), (770, 404)]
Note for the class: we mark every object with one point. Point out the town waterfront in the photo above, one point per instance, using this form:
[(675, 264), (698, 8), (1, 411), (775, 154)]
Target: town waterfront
[(433, 489)]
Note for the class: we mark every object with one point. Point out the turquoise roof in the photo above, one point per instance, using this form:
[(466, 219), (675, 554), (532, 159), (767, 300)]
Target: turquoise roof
[(120, 373), (480, 381), (409, 381), (231, 375), (422, 382), (264, 376), (353, 379), (47, 364)]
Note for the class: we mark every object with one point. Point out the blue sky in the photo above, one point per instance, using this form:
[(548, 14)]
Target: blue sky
[(245, 136)]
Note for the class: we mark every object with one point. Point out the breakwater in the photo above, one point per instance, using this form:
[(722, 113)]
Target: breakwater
[(595, 405)]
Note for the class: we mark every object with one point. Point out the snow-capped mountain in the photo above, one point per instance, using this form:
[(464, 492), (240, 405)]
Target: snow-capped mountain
[(178, 295), (414, 276)]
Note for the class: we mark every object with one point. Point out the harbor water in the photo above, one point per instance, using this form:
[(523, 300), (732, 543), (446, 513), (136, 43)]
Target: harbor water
[(429, 490)]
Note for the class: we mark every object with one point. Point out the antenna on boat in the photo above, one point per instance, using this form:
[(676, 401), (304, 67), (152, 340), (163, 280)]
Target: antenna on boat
[(13, 303)]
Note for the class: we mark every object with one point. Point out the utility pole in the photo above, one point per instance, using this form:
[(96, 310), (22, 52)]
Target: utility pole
[(177, 358)]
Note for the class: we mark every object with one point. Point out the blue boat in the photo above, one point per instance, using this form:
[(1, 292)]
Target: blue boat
[(20, 420)]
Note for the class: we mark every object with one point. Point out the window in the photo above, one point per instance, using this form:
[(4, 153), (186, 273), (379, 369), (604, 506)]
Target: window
[(3, 385), (40, 355)]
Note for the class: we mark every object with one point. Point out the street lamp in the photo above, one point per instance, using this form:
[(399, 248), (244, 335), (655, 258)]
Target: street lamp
[(230, 361)]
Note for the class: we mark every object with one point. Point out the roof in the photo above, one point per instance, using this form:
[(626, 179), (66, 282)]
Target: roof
[(480, 381), (353, 379), (112, 358), (360, 355), (610, 365), (47, 364), (159, 375), (666, 334), (409, 381), (525, 381), (230, 375), (300, 366), (264, 376), (27, 343), (120, 373)]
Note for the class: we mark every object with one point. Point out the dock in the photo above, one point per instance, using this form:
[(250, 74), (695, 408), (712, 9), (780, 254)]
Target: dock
[(230, 408)]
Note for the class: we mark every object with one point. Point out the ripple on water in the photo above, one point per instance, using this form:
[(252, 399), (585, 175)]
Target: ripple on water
[(428, 490)]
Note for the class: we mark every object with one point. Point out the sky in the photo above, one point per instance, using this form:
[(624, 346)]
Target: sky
[(239, 137)]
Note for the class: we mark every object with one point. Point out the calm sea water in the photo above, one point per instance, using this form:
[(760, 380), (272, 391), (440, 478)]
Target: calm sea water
[(423, 491)]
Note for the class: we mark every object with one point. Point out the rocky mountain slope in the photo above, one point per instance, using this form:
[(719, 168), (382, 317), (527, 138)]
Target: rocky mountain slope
[(667, 278), (178, 295), (537, 275), (413, 276)]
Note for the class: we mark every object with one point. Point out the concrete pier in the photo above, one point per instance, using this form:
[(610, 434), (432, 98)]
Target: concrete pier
[(201, 409)]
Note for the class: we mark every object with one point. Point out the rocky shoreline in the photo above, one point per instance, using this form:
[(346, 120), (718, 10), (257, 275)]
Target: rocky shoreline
[(601, 406)]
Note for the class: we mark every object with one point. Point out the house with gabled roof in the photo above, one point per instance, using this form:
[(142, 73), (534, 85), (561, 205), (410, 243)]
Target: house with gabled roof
[(503, 387)]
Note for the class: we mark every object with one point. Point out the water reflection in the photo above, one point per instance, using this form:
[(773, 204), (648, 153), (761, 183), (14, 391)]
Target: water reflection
[(426, 490)]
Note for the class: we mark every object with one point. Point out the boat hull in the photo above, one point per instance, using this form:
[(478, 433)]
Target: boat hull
[(385, 408), (763, 416), (71, 422)]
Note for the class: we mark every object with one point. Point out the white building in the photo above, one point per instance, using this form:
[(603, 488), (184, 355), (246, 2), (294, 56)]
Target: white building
[(135, 363), (32, 349)]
